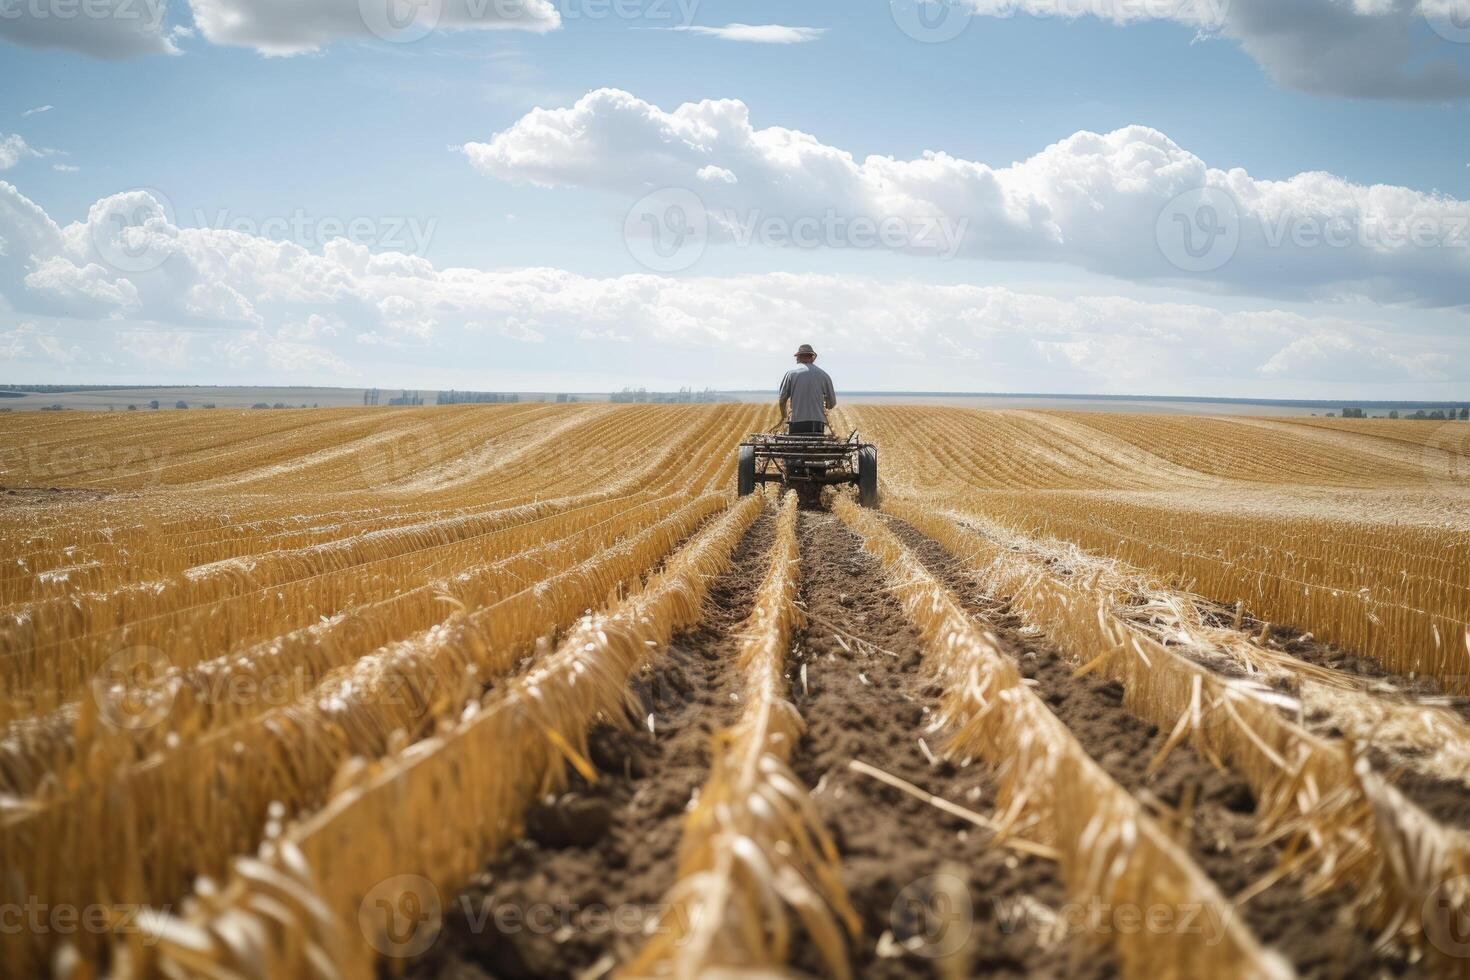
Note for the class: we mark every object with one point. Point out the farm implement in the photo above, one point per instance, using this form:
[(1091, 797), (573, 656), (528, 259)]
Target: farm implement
[(809, 463)]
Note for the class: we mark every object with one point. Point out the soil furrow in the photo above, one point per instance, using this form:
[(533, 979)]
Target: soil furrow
[(1212, 809), (591, 870), (1446, 800), (1440, 792), (865, 695)]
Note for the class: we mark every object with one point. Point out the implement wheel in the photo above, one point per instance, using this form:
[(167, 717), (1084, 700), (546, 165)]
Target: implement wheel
[(746, 471), (868, 478)]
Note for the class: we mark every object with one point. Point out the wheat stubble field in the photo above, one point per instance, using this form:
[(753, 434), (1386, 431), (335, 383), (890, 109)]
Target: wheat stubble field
[(528, 691)]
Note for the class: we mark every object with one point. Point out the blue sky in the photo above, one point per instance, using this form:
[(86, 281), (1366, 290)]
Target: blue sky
[(291, 148)]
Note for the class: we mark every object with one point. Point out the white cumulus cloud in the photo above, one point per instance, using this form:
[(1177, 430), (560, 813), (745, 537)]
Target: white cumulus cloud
[(100, 28), (1368, 49), (1126, 203), (1343, 357), (127, 28), (288, 27), (757, 33), (330, 305), (12, 148), (716, 173)]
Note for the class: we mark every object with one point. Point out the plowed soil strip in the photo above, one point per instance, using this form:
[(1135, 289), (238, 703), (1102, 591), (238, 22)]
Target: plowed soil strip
[(587, 877), (1437, 791), (1447, 800), (864, 697), (1316, 934)]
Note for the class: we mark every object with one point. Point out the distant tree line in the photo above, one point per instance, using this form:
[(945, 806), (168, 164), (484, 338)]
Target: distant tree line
[(371, 396), (452, 397), (684, 396), (1433, 415), (1440, 415)]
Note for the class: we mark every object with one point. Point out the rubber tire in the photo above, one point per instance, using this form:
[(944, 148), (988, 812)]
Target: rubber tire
[(746, 471), (868, 478)]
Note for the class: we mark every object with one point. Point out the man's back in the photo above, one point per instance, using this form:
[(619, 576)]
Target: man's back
[(810, 392)]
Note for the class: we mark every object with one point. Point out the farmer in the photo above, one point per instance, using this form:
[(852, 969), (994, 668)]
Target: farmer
[(806, 394)]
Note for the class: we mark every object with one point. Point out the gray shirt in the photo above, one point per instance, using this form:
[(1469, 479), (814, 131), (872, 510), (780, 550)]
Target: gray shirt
[(809, 390)]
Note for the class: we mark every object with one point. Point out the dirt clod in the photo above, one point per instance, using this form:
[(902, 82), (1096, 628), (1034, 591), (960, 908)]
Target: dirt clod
[(570, 820)]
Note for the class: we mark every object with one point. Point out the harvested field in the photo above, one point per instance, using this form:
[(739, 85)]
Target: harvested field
[(868, 697), (1209, 809), (612, 843), (528, 690)]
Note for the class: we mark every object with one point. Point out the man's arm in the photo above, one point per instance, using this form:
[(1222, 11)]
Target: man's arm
[(783, 403), (829, 394)]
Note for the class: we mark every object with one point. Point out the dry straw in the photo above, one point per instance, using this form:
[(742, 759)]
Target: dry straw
[(140, 833), (211, 694), (1393, 592), (51, 647), (1110, 850), (754, 852), (289, 589), (1232, 512), (1418, 733), (440, 807), (58, 644), (1342, 824)]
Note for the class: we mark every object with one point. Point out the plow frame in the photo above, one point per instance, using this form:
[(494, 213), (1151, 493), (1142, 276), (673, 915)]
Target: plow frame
[(808, 463)]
